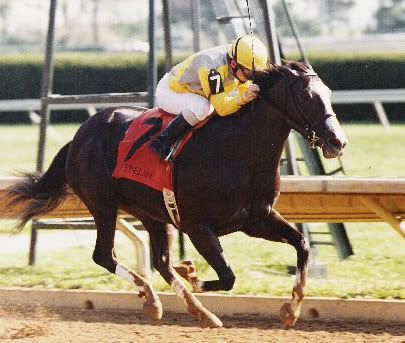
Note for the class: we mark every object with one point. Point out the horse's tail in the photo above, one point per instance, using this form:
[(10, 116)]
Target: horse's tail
[(39, 193)]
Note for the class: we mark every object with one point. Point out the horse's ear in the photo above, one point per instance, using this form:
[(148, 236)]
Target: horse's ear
[(307, 65), (287, 63), (290, 68)]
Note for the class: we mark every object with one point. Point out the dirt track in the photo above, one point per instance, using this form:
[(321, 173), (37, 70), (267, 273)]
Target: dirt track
[(46, 325)]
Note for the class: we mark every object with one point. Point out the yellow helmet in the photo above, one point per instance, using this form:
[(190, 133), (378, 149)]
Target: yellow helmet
[(241, 52)]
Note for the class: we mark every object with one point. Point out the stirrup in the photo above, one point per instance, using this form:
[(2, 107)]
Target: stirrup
[(173, 149), (159, 149)]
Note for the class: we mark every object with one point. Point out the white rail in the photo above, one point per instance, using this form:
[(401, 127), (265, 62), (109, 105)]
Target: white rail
[(371, 96), (376, 97), (90, 103)]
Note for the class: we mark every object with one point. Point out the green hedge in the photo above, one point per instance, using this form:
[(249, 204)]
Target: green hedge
[(74, 74), (83, 73), (361, 71)]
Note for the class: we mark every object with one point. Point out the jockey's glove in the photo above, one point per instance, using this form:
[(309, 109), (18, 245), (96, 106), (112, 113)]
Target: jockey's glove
[(252, 92)]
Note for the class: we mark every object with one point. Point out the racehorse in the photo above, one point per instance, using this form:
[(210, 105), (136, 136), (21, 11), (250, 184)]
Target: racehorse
[(226, 179)]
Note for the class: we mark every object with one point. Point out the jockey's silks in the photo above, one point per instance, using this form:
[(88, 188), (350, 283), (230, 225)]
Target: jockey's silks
[(208, 74)]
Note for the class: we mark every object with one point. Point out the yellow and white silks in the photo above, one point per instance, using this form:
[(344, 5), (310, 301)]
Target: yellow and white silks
[(201, 84)]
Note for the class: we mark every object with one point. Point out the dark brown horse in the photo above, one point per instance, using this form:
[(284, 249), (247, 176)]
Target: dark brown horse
[(227, 179)]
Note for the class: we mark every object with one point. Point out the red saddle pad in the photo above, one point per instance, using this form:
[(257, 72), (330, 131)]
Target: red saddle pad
[(136, 161)]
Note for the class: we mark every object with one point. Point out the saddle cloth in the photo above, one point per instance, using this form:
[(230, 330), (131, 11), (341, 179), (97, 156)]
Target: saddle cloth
[(136, 161)]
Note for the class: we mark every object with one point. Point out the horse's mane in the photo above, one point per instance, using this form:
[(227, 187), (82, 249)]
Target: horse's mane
[(268, 77)]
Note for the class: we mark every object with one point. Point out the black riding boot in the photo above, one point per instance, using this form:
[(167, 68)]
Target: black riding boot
[(176, 129)]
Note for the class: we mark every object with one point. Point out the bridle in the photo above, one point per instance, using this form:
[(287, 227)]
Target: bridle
[(304, 127), (307, 130)]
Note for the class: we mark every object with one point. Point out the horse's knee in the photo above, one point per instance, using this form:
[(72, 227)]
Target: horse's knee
[(159, 262), (104, 261), (156, 264), (305, 246), (165, 269)]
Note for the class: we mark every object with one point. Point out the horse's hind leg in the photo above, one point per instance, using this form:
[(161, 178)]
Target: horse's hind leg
[(161, 238), (105, 215), (97, 192), (276, 228)]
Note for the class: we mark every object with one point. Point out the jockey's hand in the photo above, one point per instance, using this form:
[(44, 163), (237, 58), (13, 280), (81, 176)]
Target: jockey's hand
[(252, 92)]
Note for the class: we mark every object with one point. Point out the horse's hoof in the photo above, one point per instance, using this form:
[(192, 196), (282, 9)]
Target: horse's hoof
[(153, 309), (287, 316), (142, 295), (185, 268), (197, 285), (190, 266), (210, 320)]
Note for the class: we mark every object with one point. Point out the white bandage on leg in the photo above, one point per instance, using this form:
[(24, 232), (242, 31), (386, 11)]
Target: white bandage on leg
[(123, 273), (126, 275), (178, 287)]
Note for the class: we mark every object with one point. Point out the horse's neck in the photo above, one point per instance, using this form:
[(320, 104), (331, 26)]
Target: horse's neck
[(254, 140), (266, 135)]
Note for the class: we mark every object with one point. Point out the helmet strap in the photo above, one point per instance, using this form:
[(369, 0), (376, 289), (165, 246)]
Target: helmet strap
[(235, 68)]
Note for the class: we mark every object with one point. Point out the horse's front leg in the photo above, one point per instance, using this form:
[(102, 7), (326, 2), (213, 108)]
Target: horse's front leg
[(188, 271), (275, 228), (207, 244)]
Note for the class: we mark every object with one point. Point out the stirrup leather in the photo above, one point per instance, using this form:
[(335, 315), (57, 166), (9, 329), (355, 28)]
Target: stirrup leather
[(171, 206)]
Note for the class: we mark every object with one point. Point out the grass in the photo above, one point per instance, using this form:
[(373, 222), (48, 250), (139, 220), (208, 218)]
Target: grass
[(375, 271), (19, 146), (373, 152)]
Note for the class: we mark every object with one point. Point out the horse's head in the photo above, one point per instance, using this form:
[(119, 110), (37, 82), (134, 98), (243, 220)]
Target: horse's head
[(304, 102)]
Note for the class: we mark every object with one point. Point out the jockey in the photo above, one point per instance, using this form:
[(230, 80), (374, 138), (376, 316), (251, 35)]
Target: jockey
[(214, 79)]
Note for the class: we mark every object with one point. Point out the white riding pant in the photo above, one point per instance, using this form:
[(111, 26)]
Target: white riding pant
[(193, 107)]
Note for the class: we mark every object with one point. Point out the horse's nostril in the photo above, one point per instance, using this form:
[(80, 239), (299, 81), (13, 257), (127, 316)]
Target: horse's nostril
[(336, 143)]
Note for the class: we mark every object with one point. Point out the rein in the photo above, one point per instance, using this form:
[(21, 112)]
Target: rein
[(305, 130), (251, 35)]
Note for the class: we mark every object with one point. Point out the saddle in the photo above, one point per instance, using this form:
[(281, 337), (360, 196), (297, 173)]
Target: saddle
[(137, 162)]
